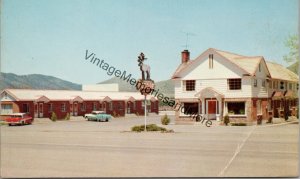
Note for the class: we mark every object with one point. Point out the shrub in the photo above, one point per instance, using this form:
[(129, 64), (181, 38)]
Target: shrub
[(239, 124), (53, 117), (226, 120), (67, 116), (165, 120), (114, 113), (149, 127)]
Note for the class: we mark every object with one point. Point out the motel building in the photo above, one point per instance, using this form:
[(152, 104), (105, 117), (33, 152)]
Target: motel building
[(104, 97), (219, 83)]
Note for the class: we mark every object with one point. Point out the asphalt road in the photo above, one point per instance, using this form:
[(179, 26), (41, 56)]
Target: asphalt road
[(82, 148)]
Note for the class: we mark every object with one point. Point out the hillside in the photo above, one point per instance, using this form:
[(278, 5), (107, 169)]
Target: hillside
[(35, 81), (166, 87)]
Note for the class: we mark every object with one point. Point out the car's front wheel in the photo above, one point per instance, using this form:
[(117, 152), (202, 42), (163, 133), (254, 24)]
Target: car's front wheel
[(106, 119)]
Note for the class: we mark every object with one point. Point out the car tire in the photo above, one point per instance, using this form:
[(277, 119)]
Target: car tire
[(22, 123), (9, 124), (106, 119)]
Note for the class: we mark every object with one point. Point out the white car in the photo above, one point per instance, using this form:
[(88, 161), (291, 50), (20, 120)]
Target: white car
[(93, 114)]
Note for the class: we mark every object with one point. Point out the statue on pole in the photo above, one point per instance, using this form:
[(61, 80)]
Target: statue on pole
[(143, 67), (146, 83)]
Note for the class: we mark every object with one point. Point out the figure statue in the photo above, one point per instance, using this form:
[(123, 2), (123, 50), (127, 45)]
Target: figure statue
[(143, 67)]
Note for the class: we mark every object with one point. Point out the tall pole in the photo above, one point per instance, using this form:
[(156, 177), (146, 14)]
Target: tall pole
[(145, 112)]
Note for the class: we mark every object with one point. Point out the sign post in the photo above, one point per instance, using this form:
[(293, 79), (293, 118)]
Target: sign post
[(145, 100), (146, 83)]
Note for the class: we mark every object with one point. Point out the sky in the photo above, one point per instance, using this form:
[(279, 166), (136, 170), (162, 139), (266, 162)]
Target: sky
[(50, 37)]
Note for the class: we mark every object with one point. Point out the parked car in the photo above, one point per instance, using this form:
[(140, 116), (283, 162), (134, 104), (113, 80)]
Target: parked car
[(98, 116), (92, 114), (19, 119)]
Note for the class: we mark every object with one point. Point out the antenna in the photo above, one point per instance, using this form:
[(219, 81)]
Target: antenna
[(187, 38)]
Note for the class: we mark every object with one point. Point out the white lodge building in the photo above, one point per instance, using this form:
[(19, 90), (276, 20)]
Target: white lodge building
[(218, 83)]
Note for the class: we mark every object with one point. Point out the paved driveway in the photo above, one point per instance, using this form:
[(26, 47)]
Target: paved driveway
[(80, 148)]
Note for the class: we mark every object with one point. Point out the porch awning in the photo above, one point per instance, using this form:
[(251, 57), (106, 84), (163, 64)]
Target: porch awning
[(209, 92), (131, 99), (277, 95), (77, 99), (42, 99), (290, 94)]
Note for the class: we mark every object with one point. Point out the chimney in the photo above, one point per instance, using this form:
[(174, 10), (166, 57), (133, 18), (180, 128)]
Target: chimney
[(185, 56)]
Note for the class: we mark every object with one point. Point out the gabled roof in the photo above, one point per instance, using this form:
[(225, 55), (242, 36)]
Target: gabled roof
[(69, 95), (280, 72), (248, 64)]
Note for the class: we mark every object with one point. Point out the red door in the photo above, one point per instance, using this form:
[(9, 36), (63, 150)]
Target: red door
[(212, 107)]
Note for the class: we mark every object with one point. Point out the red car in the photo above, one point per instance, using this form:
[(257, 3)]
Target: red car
[(19, 118)]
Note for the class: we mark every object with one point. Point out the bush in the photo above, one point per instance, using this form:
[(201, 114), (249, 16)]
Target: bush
[(226, 120), (149, 127), (67, 116), (53, 117), (114, 114), (165, 120), (239, 124)]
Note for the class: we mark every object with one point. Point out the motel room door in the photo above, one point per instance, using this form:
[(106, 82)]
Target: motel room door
[(75, 109), (211, 108), (129, 107), (40, 110)]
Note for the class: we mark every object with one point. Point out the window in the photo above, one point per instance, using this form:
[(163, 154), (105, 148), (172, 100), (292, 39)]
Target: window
[(82, 106), (211, 61), (290, 86), (275, 84), (120, 106), (134, 105), (189, 85), (236, 108), (6, 109), (234, 84), (190, 108), (25, 108), (143, 104), (94, 106), (259, 68), (297, 86), (110, 106), (255, 83), (50, 107), (282, 85), (263, 83), (63, 107)]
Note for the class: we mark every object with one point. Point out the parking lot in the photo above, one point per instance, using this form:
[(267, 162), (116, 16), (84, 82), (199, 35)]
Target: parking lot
[(80, 148)]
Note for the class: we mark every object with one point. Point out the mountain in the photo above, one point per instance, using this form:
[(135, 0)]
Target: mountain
[(35, 81), (166, 87), (294, 67)]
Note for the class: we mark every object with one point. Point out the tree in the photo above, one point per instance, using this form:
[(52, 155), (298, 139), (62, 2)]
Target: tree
[(293, 44)]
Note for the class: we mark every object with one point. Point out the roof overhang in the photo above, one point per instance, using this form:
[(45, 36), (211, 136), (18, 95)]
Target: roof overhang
[(209, 92)]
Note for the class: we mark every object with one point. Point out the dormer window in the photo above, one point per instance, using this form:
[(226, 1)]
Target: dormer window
[(211, 61), (282, 85), (263, 83), (255, 83)]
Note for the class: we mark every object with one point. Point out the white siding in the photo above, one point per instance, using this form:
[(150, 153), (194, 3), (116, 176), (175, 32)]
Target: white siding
[(6, 97), (218, 84), (259, 91), (221, 69)]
